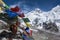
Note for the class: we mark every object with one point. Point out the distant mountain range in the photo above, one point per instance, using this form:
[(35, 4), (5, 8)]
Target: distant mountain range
[(53, 15), (37, 17)]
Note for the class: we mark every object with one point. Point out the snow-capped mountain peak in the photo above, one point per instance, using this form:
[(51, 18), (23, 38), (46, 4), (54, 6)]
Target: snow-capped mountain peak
[(36, 14), (52, 15), (38, 10)]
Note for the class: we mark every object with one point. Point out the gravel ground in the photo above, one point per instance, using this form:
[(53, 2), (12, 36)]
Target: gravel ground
[(41, 35)]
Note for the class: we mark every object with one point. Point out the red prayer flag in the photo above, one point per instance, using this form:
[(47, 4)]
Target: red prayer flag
[(16, 9), (30, 32), (22, 15)]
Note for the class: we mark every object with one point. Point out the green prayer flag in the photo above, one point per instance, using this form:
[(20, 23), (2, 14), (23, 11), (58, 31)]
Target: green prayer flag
[(7, 7), (26, 20)]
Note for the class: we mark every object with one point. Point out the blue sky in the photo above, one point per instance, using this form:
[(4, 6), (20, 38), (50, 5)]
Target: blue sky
[(44, 5)]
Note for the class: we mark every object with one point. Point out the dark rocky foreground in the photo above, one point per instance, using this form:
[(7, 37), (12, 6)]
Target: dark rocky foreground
[(43, 35)]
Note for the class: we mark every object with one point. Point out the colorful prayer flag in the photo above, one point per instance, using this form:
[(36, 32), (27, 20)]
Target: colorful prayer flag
[(22, 15), (26, 20), (27, 24), (27, 30), (16, 9), (30, 32), (1, 2), (0, 8), (11, 14), (6, 7)]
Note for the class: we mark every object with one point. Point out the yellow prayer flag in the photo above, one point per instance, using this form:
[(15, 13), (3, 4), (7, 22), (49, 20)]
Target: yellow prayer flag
[(1, 9), (1, 2), (28, 24)]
